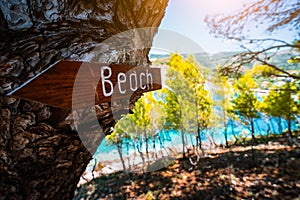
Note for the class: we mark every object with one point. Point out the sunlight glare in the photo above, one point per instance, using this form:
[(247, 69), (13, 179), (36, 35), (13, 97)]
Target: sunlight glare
[(220, 6)]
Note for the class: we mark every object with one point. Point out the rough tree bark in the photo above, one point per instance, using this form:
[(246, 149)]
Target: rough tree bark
[(40, 156)]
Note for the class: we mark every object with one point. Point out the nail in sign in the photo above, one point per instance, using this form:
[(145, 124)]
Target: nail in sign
[(59, 85)]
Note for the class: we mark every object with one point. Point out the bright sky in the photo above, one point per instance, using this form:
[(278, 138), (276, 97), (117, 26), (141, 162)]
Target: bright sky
[(186, 17)]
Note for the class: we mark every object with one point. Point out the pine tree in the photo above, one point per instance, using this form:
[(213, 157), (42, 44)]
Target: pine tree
[(222, 92), (245, 104), (187, 81), (280, 103)]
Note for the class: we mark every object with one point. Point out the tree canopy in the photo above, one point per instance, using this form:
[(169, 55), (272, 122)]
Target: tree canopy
[(270, 15)]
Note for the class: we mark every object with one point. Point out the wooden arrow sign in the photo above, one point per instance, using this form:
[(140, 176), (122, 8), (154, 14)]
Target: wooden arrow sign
[(80, 84)]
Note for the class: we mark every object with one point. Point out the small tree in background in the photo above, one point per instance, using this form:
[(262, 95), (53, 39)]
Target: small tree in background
[(187, 80), (222, 92), (246, 104), (280, 103), (120, 133), (142, 119)]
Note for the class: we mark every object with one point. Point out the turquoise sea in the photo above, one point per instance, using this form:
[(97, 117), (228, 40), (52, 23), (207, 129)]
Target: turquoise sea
[(172, 140)]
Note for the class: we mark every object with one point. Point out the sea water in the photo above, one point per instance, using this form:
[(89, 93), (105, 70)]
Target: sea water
[(170, 141)]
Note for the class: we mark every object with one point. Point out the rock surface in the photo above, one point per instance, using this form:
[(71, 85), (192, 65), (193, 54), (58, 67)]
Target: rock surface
[(41, 156)]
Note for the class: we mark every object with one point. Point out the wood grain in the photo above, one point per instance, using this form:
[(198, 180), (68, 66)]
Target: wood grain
[(76, 84)]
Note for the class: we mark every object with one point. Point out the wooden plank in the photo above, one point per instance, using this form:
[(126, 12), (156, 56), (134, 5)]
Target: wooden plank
[(84, 84)]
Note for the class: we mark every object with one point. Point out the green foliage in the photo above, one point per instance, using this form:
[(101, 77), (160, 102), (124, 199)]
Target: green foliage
[(172, 111), (280, 102), (270, 14), (149, 195), (223, 93), (187, 82), (185, 106), (123, 130), (263, 70), (245, 104), (140, 115)]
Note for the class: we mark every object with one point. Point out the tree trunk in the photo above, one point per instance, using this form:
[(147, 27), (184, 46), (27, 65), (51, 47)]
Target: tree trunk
[(269, 124), (279, 126), (147, 149), (128, 159), (232, 131), (252, 130), (139, 148), (119, 146), (225, 128), (183, 143), (199, 136), (41, 156), (289, 122), (226, 135), (154, 157), (253, 140)]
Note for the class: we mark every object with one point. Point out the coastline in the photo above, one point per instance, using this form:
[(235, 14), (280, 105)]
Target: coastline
[(164, 158)]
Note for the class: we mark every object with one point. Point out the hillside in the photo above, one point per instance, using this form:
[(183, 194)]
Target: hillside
[(212, 60), (221, 174)]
